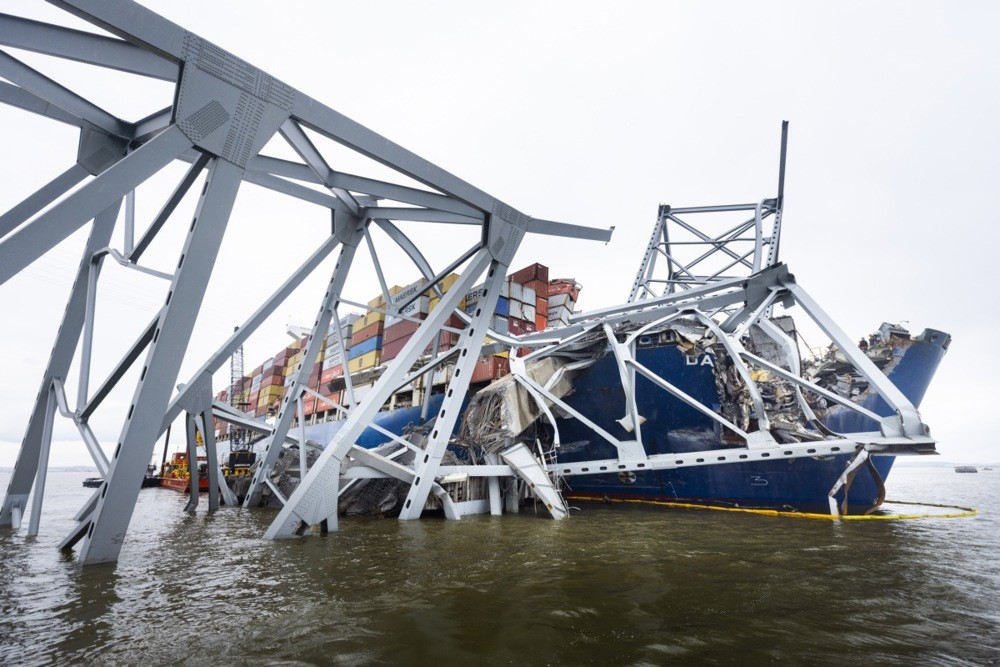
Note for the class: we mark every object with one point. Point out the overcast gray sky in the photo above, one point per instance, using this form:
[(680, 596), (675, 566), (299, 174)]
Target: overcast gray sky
[(592, 114)]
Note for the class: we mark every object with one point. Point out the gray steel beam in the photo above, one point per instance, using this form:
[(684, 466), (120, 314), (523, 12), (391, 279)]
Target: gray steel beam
[(146, 128), (471, 343), (420, 215), (402, 193), (338, 127), (244, 331), (909, 421), (41, 198), (315, 499), (168, 208), (351, 231), (194, 481), (551, 228), (83, 47), (302, 145), (285, 187), (368, 186), (23, 99), (145, 416), (58, 366), (43, 462), (35, 82), (27, 244), (133, 23)]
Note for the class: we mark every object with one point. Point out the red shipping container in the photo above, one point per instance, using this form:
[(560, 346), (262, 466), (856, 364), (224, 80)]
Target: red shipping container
[(564, 286), (490, 368), (446, 341), (330, 374), (540, 286), (392, 350), (520, 327), (271, 380), (541, 321), (370, 331), (323, 406), (542, 306), (403, 329), (534, 272)]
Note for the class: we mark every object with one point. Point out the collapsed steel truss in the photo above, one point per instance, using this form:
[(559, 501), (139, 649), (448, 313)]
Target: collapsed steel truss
[(224, 111)]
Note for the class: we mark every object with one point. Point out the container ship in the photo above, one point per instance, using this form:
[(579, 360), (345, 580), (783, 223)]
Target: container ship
[(683, 351), (695, 391)]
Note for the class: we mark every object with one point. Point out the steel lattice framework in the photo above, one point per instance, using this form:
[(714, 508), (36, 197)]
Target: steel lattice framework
[(224, 112)]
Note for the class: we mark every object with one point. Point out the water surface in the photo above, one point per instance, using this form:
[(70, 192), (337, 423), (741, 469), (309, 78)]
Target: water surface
[(614, 584)]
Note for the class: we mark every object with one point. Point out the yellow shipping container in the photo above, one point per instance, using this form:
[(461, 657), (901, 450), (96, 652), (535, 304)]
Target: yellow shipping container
[(371, 317), (368, 360), (505, 354), (379, 301), (434, 302), (294, 360), (272, 390)]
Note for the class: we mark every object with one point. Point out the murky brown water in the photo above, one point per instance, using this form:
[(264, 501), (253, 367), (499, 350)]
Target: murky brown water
[(613, 585)]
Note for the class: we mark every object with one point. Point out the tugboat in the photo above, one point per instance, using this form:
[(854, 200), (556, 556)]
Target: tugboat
[(177, 476)]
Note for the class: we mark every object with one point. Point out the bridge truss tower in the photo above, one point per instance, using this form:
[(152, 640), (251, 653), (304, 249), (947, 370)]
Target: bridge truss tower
[(220, 115)]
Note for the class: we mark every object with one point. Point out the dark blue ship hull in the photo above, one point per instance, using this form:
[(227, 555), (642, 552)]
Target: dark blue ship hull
[(798, 485)]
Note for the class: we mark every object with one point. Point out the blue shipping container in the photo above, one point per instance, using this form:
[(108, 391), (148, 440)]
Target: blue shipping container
[(503, 306), (364, 347)]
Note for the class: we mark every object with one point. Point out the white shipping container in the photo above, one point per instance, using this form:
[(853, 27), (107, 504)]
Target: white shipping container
[(561, 300), (516, 310), (516, 292), (560, 312), (408, 291), (331, 341), (505, 289), (500, 324), (528, 295), (421, 306), (269, 363), (346, 322), (559, 320), (334, 359), (528, 312)]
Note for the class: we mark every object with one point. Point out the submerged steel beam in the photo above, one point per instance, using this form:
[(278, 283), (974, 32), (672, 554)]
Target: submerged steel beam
[(60, 360), (141, 430)]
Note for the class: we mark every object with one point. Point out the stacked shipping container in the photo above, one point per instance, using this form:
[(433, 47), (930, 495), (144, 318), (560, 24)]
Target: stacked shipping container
[(528, 302)]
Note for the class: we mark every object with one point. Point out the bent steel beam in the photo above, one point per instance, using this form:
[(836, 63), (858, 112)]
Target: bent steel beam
[(58, 366)]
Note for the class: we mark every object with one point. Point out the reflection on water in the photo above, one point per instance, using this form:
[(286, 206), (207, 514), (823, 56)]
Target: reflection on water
[(619, 584)]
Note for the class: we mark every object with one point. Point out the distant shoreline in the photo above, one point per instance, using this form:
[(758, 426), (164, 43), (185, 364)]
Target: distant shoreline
[(6, 469)]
